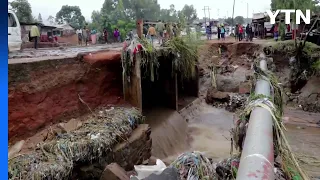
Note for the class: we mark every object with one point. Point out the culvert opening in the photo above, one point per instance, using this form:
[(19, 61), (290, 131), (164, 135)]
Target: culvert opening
[(168, 128), (159, 90)]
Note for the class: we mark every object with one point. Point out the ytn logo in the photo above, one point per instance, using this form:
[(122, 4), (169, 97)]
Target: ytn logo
[(299, 15)]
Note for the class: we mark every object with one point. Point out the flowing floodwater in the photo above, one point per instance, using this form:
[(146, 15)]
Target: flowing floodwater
[(303, 134), (168, 132), (207, 131)]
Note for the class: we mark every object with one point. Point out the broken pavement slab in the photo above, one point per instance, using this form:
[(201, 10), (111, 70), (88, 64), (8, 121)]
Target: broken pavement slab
[(136, 149), (114, 172)]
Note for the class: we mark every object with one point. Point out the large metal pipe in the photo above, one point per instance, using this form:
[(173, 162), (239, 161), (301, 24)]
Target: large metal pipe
[(257, 158)]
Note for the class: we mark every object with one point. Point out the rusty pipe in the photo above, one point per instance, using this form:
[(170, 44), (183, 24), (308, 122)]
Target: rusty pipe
[(257, 158)]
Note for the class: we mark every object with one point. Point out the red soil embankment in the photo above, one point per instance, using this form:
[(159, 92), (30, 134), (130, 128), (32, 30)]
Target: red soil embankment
[(47, 92)]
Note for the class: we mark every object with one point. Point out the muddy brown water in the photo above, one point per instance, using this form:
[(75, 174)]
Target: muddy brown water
[(207, 131), (303, 134)]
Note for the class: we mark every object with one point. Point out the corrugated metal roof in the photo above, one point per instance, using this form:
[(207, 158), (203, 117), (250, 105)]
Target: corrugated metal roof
[(258, 16)]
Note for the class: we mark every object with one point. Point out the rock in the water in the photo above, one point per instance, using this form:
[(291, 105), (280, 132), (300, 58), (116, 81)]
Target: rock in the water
[(213, 95)]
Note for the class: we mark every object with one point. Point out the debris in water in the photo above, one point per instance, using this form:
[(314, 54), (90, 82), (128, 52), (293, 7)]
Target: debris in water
[(228, 168), (194, 165), (56, 159), (145, 171)]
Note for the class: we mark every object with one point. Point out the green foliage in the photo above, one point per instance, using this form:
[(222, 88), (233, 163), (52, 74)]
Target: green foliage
[(39, 18), (189, 12), (71, 15), (51, 19), (295, 4), (228, 20), (22, 8), (239, 20), (122, 14), (186, 55), (316, 65)]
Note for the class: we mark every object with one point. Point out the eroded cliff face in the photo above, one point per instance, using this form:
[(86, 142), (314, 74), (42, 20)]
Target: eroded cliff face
[(42, 93)]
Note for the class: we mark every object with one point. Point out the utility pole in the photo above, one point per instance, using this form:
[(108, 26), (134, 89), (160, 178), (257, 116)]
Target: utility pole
[(204, 10), (205, 17), (234, 2), (209, 12), (247, 11)]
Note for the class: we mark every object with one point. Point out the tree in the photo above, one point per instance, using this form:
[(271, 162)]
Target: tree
[(239, 20), (189, 12), (40, 18), (51, 20), (22, 8), (294, 4), (228, 20), (71, 15)]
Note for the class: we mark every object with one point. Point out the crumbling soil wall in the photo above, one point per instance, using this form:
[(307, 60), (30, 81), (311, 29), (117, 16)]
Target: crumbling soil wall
[(46, 92), (135, 150)]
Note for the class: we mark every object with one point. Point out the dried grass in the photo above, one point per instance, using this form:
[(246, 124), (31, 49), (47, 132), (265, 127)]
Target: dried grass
[(93, 140)]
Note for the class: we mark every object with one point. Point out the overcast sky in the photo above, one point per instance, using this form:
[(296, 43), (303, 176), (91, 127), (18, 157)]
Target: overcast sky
[(218, 8)]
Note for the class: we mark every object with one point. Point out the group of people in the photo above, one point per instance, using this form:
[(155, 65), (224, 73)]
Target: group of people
[(241, 32), (161, 31), (83, 35), (221, 32), (116, 35)]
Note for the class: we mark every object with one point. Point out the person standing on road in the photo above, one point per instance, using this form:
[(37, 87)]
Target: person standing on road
[(253, 30), (115, 35), (208, 32), (85, 35), (130, 34), (93, 36), (152, 33), (79, 33), (145, 31), (105, 35), (236, 32), (223, 33), (160, 28), (276, 32), (219, 32), (35, 34), (248, 32), (240, 32)]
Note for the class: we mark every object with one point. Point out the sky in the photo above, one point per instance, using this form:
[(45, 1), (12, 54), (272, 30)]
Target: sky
[(218, 8)]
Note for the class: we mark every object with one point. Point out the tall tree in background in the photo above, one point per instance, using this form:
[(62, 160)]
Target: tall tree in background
[(51, 20), (239, 20), (22, 8), (71, 15), (40, 18), (228, 20), (190, 13), (122, 14), (295, 4)]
